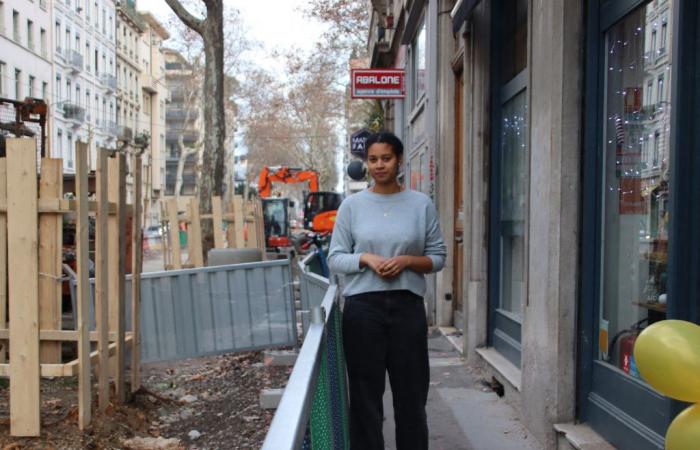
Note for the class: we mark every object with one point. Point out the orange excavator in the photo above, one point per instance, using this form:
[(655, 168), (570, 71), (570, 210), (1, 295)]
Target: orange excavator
[(320, 208)]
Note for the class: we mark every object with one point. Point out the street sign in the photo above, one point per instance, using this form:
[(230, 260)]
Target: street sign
[(357, 142), (378, 83)]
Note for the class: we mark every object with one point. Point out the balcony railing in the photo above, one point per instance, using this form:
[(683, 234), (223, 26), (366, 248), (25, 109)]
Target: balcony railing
[(188, 137), (74, 112), (125, 133), (109, 81), (75, 60)]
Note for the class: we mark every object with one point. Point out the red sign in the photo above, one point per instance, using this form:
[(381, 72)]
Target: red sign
[(378, 83)]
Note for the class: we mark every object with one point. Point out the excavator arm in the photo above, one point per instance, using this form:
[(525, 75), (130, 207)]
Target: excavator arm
[(285, 175)]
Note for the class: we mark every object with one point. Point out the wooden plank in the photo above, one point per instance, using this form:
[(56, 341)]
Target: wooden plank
[(23, 264), (252, 226), (69, 369), (230, 217), (238, 221), (218, 221), (83, 287), (195, 236), (260, 227), (174, 227), (137, 256), (165, 240), (50, 248), (117, 268), (59, 335), (3, 256), (62, 206), (102, 279)]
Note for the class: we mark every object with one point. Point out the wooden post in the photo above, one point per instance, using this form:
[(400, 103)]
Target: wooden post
[(194, 238), (50, 247), (230, 227), (165, 240), (3, 257), (239, 218), (218, 220), (174, 227), (252, 225), (83, 287), (22, 226), (260, 227), (136, 278), (117, 267), (102, 280)]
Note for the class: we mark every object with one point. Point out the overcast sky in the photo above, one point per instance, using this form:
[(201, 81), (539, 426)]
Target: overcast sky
[(276, 24)]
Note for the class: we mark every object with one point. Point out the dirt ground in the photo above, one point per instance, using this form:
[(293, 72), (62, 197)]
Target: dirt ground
[(206, 403)]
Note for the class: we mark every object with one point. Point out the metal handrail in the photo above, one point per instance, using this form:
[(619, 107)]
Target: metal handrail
[(289, 425)]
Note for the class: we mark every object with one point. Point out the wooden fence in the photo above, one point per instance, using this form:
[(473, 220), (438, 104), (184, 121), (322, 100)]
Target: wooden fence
[(240, 226), (32, 209)]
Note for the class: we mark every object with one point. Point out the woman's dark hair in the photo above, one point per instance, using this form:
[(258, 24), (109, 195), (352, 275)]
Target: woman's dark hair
[(385, 137)]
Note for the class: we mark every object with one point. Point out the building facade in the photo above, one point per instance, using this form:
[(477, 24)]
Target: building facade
[(154, 96), (25, 50), (556, 139), (184, 127), (84, 82)]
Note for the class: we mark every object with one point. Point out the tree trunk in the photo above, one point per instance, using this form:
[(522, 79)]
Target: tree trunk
[(212, 175)]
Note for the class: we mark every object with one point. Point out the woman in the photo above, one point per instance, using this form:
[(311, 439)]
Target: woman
[(384, 240)]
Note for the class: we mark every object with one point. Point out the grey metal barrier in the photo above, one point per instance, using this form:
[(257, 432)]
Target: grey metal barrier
[(313, 289), (313, 412), (211, 310)]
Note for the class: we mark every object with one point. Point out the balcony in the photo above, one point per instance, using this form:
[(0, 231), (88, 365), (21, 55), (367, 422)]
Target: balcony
[(74, 60), (188, 137), (74, 112), (149, 83), (181, 114), (109, 81), (110, 128), (125, 133)]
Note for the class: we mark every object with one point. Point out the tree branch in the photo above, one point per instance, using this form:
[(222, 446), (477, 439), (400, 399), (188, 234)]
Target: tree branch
[(184, 15)]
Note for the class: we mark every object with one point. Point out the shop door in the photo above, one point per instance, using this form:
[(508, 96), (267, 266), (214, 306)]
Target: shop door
[(627, 218), (458, 268), (510, 175)]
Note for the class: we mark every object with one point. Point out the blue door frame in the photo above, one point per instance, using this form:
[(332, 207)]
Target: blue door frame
[(627, 412)]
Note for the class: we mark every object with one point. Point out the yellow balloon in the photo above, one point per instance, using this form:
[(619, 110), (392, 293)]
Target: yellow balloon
[(667, 355), (684, 432)]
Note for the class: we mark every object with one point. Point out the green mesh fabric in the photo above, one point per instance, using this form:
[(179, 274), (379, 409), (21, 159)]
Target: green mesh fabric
[(329, 412)]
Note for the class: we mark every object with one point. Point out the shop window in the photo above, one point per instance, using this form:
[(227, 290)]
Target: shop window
[(635, 201), (419, 65)]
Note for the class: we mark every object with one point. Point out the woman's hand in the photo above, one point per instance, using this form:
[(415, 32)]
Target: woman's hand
[(393, 266), (372, 261)]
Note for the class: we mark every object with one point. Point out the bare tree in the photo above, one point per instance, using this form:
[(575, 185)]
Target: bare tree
[(211, 29)]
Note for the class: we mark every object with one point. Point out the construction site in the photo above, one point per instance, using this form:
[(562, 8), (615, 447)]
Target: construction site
[(117, 335)]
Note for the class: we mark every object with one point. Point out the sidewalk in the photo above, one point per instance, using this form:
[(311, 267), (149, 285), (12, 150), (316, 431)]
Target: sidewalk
[(462, 413)]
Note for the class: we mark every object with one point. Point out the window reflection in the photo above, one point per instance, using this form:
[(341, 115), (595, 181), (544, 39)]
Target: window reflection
[(636, 180)]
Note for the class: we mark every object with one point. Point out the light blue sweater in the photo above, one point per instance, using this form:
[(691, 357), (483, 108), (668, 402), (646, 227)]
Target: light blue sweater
[(404, 223)]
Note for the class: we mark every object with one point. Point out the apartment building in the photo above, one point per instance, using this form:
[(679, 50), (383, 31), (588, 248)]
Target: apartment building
[(558, 142), (25, 52), (154, 97), (184, 126), (84, 82)]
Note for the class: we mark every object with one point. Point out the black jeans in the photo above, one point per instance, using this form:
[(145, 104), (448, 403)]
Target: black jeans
[(387, 331)]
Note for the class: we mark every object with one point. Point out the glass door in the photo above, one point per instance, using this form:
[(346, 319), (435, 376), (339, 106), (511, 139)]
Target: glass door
[(510, 175)]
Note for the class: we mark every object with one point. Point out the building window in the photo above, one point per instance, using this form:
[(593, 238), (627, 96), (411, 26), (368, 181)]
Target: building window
[(45, 91), (58, 88), (59, 143), (30, 34), (15, 26), (147, 104), (42, 37), (87, 57), (660, 91), (57, 34), (2, 18), (635, 215), (419, 64), (18, 84), (69, 142), (664, 31), (32, 82), (3, 74), (69, 90)]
